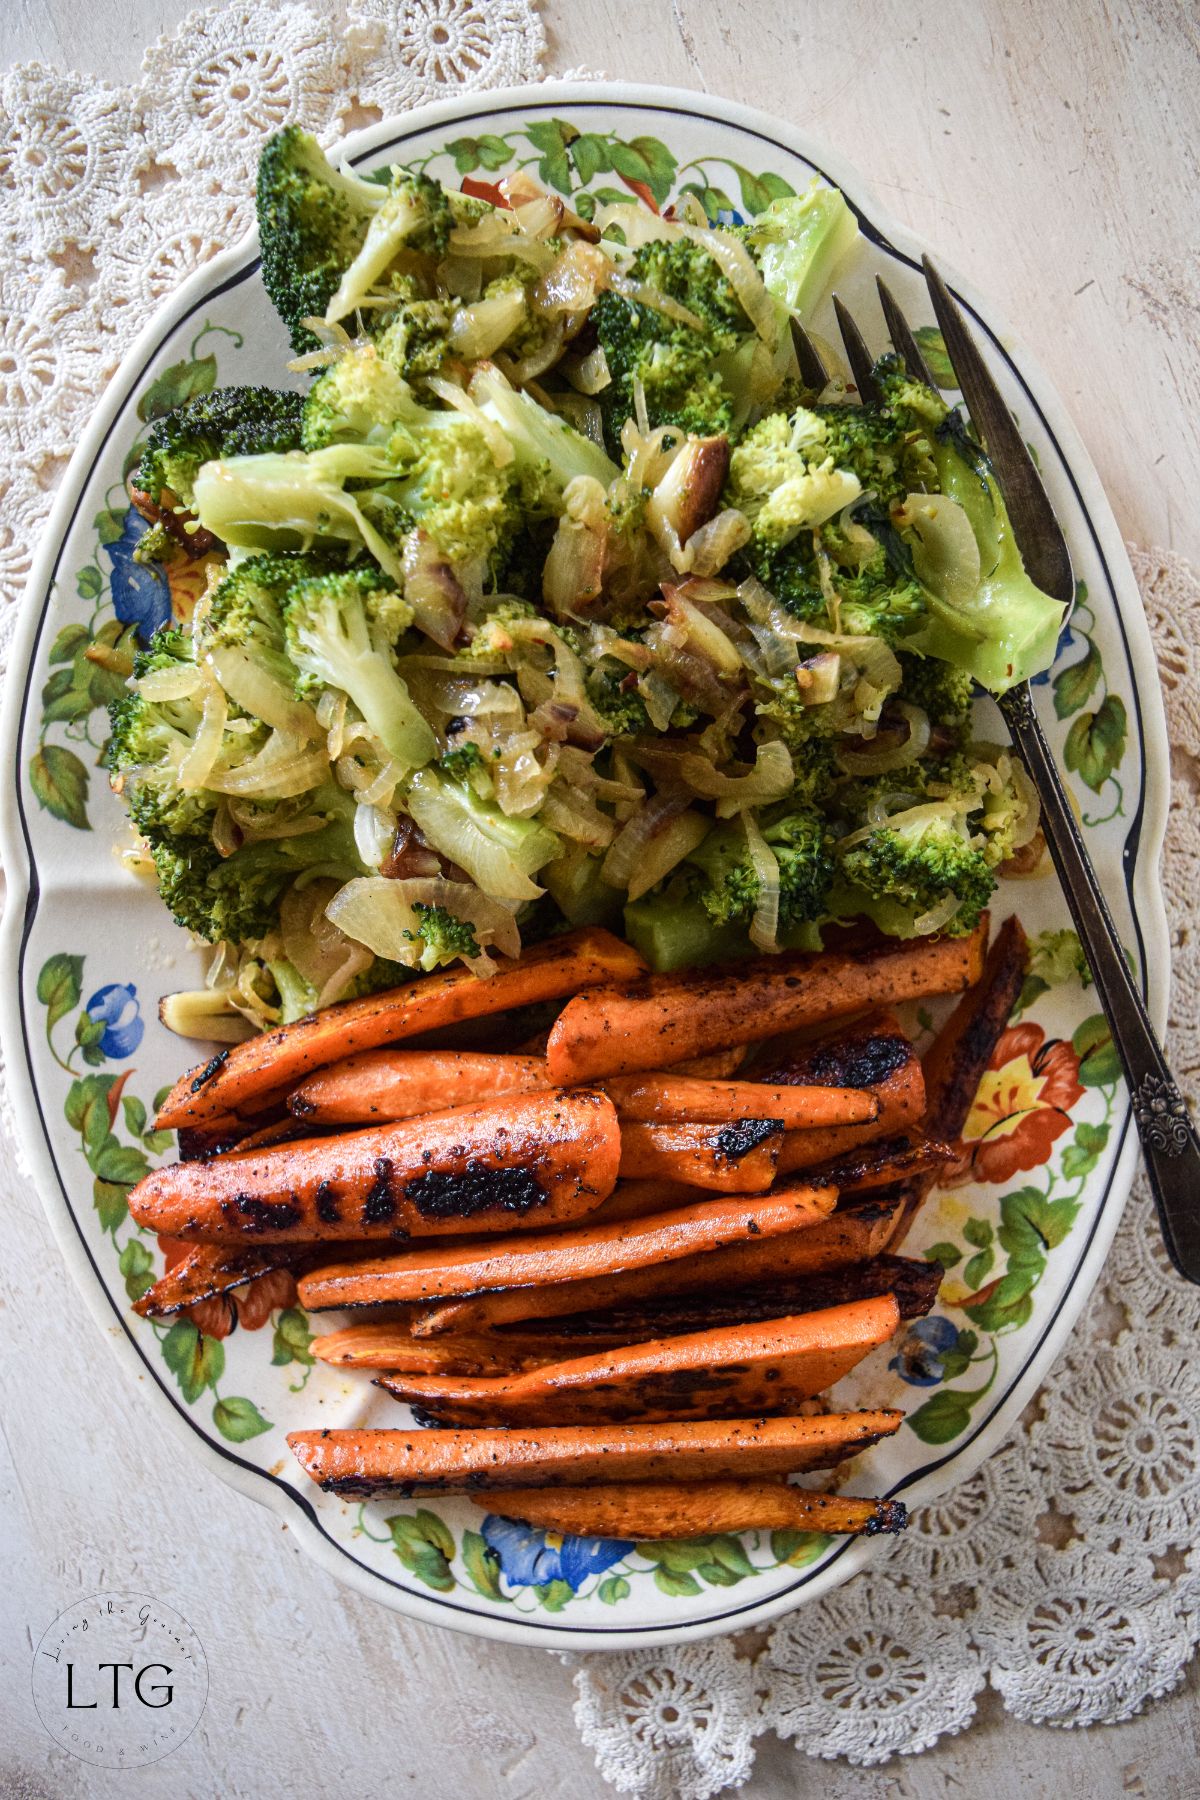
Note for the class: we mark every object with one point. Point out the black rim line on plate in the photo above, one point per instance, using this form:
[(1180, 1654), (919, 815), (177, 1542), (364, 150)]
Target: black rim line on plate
[(296, 1495)]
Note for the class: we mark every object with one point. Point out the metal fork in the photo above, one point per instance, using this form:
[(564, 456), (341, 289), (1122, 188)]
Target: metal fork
[(1169, 1140)]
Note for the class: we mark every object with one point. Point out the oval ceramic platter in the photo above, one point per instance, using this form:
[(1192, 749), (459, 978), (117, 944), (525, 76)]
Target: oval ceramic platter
[(1048, 1154)]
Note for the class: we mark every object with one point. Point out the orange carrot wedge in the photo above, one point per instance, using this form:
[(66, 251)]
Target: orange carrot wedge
[(531, 1159), (362, 1463), (914, 1286), (732, 1371), (718, 1065), (401, 1084), (647, 1510), (666, 1019), (662, 1099), (206, 1270), (830, 1242), (731, 1159), (564, 1258), (233, 1080), (394, 1348), (900, 1094)]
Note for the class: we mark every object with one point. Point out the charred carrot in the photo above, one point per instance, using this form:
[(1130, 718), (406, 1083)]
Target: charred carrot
[(913, 1284), (873, 1166), (901, 1097), (666, 1019), (365, 1462), (647, 1510), (207, 1270), (718, 1065), (523, 1161), (402, 1084), (732, 1371), (394, 1348), (661, 1099), (564, 1258), (731, 1159), (955, 1062), (234, 1079), (830, 1242)]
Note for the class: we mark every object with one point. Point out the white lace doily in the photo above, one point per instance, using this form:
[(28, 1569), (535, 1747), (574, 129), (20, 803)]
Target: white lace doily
[(1060, 1572)]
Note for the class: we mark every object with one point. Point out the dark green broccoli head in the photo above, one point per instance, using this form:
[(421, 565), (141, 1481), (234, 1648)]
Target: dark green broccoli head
[(312, 220), (444, 935), (414, 338), (729, 889), (461, 761), (870, 442), (620, 709), (149, 738), (233, 421), (940, 690), (900, 874), (675, 362)]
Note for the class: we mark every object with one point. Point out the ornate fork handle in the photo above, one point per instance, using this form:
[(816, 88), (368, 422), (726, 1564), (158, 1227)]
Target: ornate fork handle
[(1169, 1140)]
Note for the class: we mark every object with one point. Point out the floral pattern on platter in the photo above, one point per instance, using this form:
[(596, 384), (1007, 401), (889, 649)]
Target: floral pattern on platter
[(1037, 1130)]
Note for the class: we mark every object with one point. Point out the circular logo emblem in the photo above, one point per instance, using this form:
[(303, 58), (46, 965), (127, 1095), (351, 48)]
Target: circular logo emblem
[(120, 1680)]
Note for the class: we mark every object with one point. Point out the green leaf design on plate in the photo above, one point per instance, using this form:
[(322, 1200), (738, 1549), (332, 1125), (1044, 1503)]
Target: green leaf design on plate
[(111, 1201), (196, 1361), (134, 1111), (647, 162), (238, 1419), (482, 1565), (675, 1585), (60, 784), (758, 191), (59, 986), (978, 1232), (1096, 742), (614, 1588), (932, 346), (551, 137), (67, 641), (292, 1338), (424, 1546), (590, 155), (182, 381), (137, 1266), (553, 1595), (797, 1548), (979, 1268), (942, 1418), (1099, 1065), (1073, 687), (89, 583), (949, 1255)]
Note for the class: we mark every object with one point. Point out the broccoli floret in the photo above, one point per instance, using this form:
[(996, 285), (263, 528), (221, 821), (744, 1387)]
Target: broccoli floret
[(328, 237), (149, 740), (943, 693), (415, 338), (730, 887), (377, 466), (785, 480), (547, 452), (691, 377), (236, 898), (461, 761), (445, 936), (901, 873), (233, 421), (1007, 630), (341, 631), (798, 241), (872, 445), (621, 710)]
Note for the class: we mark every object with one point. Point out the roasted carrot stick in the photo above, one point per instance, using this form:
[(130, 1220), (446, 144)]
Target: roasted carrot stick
[(731, 1159), (901, 1097), (564, 1258), (206, 1270), (393, 1347), (668, 1018), (914, 1286), (872, 1166), (527, 1160), (955, 1062), (731, 1371), (662, 1099), (401, 1084), (646, 1510), (232, 1081), (828, 1243), (718, 1065), (362, 1463)]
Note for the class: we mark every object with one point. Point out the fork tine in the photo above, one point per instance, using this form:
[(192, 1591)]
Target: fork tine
[(903, 341), (857, 354), (1039, 536), (813, 372)]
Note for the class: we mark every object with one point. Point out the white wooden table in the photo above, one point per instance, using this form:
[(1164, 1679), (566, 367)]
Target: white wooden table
[(1050, 152)]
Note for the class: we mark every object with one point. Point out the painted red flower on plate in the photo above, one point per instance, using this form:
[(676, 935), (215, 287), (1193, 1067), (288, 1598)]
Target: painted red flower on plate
[(1022, 1105)]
